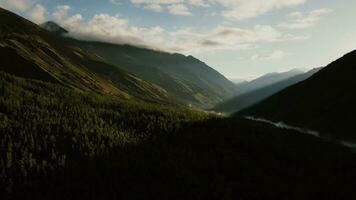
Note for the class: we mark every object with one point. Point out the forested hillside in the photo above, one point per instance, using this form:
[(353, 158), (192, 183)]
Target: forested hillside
[(46, 127), (63, 144)]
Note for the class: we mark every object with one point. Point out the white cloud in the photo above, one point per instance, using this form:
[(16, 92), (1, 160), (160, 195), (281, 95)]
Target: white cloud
[(154, 7), (179, 9), (37, 14), (174, 7), (17, 5), (107, 28), (61, 13), (233, 10), (305, 21), (270, 56), (201, 3), (245, 9), (114, 29), (117, 2), (295, 15)]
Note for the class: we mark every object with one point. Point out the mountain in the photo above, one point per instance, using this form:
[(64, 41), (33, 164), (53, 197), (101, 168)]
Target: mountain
[(30, 51), (325, 102), (44, 53), (266, 80), (54, 28), (252, 97), (185, 78)]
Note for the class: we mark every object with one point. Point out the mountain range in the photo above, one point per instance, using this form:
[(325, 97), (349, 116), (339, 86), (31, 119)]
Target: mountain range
[(48, 54), (257, 90), (265, 80)]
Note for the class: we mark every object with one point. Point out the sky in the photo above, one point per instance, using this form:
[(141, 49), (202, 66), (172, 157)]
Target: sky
[(241, 39)]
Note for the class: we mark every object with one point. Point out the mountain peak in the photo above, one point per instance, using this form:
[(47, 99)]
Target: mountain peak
[(54, 28)]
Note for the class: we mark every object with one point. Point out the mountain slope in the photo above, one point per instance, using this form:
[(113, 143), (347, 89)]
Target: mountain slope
[(252, 97), (54, 28), (325, 102), (32, 52), (185, 78)]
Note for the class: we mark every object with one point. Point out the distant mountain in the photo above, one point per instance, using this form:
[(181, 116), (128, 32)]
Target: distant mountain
[(266, 80), (326, 102), (29, 51), (252, 97)]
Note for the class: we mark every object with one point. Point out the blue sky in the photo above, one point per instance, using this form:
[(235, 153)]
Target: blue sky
[(239, 38)]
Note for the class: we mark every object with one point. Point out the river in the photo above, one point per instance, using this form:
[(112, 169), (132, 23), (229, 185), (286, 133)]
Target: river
[(283, 125)]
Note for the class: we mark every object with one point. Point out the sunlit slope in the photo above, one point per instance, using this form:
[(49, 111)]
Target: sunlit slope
[(185, 78), (30, 51)]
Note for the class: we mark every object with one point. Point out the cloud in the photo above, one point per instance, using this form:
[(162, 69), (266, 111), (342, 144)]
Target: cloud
[(17, 5), (115, 29), (233, 10), (174, 7), (301, 21), (106, 28), (116, 2), (154, 7), (61, 13), (295, 15), (270, 56), (179, 9), (237, 10), (37, 14)]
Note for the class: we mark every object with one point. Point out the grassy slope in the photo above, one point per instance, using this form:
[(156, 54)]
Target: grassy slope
[(35, 53), (184, 77)]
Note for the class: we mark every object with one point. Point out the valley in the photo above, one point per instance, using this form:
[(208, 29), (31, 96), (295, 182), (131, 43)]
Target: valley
[(89, 119)]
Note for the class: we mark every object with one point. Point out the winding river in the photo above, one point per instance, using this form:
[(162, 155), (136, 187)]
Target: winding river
[(283, 125)]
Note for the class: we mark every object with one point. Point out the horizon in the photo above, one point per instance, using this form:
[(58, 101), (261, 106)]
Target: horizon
[(238, 39)]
